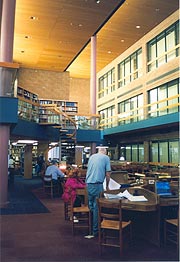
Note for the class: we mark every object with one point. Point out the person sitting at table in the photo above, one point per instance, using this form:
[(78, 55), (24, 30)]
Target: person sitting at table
[(57, 174), (72, 183)]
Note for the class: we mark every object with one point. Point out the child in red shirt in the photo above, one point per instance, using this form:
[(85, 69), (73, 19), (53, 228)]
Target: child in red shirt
[(72, 183)]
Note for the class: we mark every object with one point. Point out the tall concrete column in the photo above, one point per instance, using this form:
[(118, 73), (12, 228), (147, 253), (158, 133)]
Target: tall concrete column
[(7, 8), (4, 141), (78, 155), (28, 161), (93, 87)]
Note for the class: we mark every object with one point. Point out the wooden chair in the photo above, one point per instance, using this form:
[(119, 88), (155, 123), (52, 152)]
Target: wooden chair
[(67, 205), (49, 188), (112, 230), (171, 232), (81, 216)]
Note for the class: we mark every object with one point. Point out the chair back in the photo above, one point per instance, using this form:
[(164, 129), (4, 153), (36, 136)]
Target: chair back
[(83, 192), (109, 210), (47, 178)]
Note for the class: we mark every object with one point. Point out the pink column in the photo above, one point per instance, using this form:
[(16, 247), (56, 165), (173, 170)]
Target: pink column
[(93, 86), (93, 76), (6, 55), (7, 30)]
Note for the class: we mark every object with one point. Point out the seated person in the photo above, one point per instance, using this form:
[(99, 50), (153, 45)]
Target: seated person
[(72, 183), (57, 174)]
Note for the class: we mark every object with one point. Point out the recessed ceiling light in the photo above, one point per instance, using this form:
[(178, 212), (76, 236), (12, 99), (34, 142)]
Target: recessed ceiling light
[(80, 25), (98, 1), (27, 36), (109, 52), (138, 26), (122, 40), (33, 17)]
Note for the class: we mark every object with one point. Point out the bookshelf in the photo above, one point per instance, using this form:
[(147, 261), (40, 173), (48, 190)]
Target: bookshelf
[(48, 116), (31, 108), (28, 105)]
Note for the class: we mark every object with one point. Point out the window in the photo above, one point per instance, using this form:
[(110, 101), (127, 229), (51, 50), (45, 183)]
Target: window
[(173, 152), (107, 117), (165, 151), (164, 99), (154, 152), (106, 83), (163, 47), (130, 110), (134, 152), (130, 68)]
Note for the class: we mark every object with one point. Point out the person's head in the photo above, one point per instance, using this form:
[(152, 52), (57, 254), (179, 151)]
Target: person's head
[(73, 173), (54, 162), (102, 150)]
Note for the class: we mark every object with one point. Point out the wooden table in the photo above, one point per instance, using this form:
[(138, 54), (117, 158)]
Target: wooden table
[(145, 216)]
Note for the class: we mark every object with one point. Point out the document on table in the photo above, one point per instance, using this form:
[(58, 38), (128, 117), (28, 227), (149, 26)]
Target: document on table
[(112, 184), (127, 195)]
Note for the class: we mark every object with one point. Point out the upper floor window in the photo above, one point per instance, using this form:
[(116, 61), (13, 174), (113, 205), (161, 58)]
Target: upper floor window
[(130, 110), (163, 47), (164, 99), (107, 117), (106, 83), (130, 68)]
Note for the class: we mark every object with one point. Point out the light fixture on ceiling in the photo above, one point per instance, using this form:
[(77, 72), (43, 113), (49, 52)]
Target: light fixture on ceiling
[(138, 26), (33, 17), (26, 142), (98, 1)]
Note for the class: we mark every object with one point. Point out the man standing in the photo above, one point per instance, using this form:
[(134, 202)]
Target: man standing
[(98, 169)]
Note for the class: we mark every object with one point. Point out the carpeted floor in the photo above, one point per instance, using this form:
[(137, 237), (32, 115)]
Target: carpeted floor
[(21, 199), (47, 237)]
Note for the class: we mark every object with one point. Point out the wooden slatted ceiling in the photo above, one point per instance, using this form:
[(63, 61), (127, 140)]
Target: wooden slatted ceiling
[(63, 27)]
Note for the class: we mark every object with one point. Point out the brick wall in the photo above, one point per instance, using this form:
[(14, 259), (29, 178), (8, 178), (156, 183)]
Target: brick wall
[(56, 85)]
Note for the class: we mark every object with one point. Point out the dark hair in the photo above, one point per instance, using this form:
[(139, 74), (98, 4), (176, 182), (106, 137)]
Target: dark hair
[(53, 162)]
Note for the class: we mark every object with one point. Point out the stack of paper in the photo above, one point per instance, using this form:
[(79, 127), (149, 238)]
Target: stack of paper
[(127, 195), (112, 184)]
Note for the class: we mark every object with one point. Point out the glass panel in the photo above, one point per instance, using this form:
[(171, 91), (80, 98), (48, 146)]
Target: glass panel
[(163, 152), (121, 74), (109, 78), (172, 91), (121, 110), (174, 152), (127, 110), (113, 80), (152, 55), (105, 84), (128, 153), (127, 71), (133, 106), (161, 50), (139, 63), (134, 66), (154, 152), (171, 43), (140, 106), (134, 153), (141, 153), (162, 94), (152, 100)]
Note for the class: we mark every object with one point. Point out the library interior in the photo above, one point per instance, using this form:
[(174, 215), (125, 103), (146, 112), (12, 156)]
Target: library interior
[(78, 77)]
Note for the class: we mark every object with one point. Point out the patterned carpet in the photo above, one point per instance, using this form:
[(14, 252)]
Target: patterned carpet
[(21, 198)]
